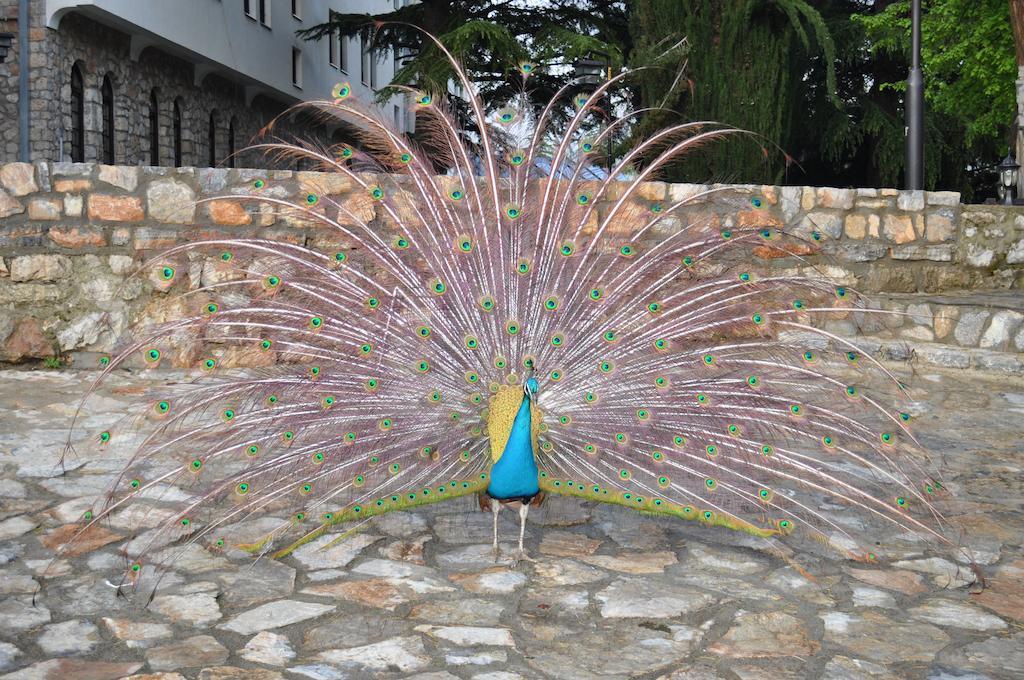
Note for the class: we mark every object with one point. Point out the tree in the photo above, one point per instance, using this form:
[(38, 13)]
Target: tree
[(748, 63)]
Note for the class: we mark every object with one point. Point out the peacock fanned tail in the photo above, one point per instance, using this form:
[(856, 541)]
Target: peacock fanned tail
[(675, 379)]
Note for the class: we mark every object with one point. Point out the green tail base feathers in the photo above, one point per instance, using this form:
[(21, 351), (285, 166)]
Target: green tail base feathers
[(651, 505), (405, 500)]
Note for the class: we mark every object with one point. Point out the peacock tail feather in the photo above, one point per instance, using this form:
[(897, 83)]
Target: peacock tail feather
[(674, 378)]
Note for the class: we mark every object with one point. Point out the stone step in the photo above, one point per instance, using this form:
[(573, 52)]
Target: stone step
[(940, 354)]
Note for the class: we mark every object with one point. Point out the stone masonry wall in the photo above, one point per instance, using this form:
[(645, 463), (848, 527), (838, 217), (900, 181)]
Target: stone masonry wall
[(101, 51), (71, 236)]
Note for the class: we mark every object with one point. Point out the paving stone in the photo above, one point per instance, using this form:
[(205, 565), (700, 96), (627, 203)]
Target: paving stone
[(844, 668), (633, 563), (319, 671), (268, 648), (468, 636), (472, 557), (945, 574), (198, 609), (406, 551), (906, 582), (314, 555), (137, 634), (256, 583), (956, 615), (640, 598), (401, 524), (872, 597), (1002, 657), (567, 544), (78, 669), (481, 658), (69, 638), (407, 654), (765, 634), (8, 654), (566, 573), (467, 611), (275, 615), (235, 673), (880, 638), (193, 652), (721, 559), (374, 592), (494, 581), (558, 602), (18, 614)]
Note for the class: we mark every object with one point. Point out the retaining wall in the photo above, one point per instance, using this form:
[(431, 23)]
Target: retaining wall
[(72, 234)]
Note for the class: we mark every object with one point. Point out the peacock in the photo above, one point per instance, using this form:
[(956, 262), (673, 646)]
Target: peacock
[(489, 313)]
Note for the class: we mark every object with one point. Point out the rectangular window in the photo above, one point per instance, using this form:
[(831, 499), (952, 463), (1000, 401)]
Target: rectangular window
[(364, 66), (265, 13), (296, 67), (333, 48), (297, 9), (343, 53), (398, 117), (250, 7)]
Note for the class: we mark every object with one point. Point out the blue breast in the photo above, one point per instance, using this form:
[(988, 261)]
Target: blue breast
[(515, 473)]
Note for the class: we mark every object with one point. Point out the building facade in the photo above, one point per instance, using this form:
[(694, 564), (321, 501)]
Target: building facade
[(173, 83)]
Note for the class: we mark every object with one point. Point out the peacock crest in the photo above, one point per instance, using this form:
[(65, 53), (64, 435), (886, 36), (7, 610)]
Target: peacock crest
[(656, 368)]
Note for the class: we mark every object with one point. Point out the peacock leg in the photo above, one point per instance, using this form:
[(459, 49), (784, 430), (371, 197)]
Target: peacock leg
[(496, 508), (521, 552)]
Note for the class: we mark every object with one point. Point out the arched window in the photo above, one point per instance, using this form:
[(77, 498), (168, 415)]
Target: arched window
[(214, 121), (231, 142), (107, 100), (176, 124), (77, 115), (154, 129)]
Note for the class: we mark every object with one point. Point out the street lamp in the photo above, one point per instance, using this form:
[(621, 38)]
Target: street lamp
[(914, 104), (1009, 171), (6, 40), (592, 72)]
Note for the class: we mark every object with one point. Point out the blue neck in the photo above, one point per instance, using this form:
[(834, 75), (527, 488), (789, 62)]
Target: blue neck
[(515, 473)]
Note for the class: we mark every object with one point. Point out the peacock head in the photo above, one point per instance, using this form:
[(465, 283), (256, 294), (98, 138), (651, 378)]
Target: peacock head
[(530, 388)]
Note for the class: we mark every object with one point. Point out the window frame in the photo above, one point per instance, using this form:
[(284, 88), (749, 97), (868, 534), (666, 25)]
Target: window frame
[(154, 129), (176, 126), (77, 114), (296, 67), (107, 132)]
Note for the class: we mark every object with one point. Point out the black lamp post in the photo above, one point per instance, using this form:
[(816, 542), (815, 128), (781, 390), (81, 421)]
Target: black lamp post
[(915, 104), (6, 40), (1009, 171), (592, 72)]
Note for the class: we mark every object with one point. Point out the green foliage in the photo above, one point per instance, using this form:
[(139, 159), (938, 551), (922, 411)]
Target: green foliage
[(53, 363), (746, 62), (966, 54)]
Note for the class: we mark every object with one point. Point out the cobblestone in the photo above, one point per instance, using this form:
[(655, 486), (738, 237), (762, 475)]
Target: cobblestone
[(417, 595)]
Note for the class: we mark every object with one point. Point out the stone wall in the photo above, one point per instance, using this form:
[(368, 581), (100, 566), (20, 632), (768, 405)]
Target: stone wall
[(71, 235)]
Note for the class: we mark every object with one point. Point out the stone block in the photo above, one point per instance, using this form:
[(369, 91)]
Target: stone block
[(939, 226), (44, 209), (898, 228), (40, 267), (19, 178), (938, 355), (807, 199), (944, 320), (839, 199), (212, 180), (68, 186), (120, 176), (77, 237), (910, 201), (149, 238), (968, 330), (27, 341), (861, 252), (1016, 253), (115, 208), (72, 169), (978, 255), (73, 205), (171, 202), (951, 198), (1003, 362), (913, 251), (9, 206), (856, 226), (228, 212), (829, 224), (1000, 329)]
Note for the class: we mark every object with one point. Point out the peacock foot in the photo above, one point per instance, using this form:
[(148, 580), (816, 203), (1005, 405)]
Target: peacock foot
[(520, 555)]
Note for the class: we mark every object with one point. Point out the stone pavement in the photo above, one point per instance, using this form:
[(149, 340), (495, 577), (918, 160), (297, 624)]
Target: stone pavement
[(416, 595)]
